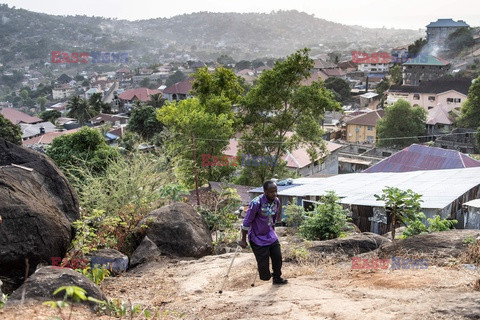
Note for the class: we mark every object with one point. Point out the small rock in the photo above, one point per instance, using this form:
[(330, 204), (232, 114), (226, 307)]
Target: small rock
[(145, 252), (111, 259)]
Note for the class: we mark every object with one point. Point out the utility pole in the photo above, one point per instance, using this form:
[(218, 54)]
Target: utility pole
[(194, 152)]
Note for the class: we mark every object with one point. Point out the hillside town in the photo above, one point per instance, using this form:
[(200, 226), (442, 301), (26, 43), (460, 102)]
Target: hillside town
[(156, 165)]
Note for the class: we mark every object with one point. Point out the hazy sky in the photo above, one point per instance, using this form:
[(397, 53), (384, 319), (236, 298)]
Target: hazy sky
[(411, 14)]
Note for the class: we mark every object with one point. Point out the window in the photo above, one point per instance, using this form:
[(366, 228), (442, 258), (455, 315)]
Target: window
[(431, 98), (369, 128), (416, 96), (430, 107), (454, 100), (370, 139)]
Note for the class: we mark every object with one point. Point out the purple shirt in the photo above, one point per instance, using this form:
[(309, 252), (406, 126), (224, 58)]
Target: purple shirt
[(260, 220)]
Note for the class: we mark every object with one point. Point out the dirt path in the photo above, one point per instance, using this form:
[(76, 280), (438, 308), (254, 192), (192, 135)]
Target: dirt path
[(189, 290)]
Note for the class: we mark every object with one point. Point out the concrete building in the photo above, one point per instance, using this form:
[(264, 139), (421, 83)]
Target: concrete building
[(424, 68), (438, 31)]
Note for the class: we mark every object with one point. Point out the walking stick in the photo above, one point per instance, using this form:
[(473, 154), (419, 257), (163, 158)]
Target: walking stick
[(230, 267)]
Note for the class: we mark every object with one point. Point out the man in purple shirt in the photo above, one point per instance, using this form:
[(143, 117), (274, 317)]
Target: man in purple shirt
[(259, 223)]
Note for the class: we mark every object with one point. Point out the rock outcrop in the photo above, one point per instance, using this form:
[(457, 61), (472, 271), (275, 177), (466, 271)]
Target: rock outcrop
[(177, 230), (41, 285), (37, 208), (351, 245)]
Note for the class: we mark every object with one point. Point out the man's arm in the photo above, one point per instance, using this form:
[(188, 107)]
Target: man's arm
[(247, 222)]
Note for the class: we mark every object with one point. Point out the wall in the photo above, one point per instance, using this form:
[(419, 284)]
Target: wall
[(362, 134)]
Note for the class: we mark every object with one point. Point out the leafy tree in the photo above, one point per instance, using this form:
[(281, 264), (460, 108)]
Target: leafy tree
[(85, 149), (225, 60), (396, 76), (327, 220), (383, 86), (257, 63), (50, 115), (143, 121), (203, 132), (97, 104), (243, 64), (415, 48), (178, 76), (278, 105), (145, 82), (470, 111), (41, 102), (340, 87), (460, 39), (400, 205), (401, 125), (223, 82), (10, 131), (80, 110)]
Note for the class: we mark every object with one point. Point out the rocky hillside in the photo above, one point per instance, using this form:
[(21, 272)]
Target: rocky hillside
[(28, 35)]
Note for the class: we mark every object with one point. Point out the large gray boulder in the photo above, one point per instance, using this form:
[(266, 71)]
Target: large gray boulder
[(352, 245), (41, 285), (177, 230), (147, 251), (37, 207)]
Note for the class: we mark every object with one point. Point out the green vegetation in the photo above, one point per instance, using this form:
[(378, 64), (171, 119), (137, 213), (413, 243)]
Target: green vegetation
[(143, 121), (470, 111), (83, 150), (460, 39), (96, 275), (50, 115), (339, 87), (401, 125), (404, 207), (79, 109), (294, 215), (277, 105), (327, 220), (10, 131), (73, 293), (114, 202), (3, 300), (415, 48)]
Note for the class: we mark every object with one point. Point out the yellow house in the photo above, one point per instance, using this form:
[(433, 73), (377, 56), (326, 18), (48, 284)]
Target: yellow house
[(361, 129)]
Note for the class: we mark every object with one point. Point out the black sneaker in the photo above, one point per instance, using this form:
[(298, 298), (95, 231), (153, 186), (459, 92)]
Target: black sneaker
[(279, 281)]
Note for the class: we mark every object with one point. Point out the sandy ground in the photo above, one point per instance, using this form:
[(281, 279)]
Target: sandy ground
[(189, 290)]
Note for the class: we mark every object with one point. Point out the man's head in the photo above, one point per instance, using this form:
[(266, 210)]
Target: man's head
[(270, 190)]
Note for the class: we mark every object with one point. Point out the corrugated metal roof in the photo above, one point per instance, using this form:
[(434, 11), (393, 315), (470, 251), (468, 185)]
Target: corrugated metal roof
[(426, 60), (418, 157), (438, 188), (473, 203)]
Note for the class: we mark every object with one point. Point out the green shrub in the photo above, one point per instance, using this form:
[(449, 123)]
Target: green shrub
[(327, 220), (113, 203), (438, 224), (294, 215)]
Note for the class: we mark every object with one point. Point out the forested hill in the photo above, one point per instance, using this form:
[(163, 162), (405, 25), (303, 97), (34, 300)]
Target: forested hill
[(29, 35)]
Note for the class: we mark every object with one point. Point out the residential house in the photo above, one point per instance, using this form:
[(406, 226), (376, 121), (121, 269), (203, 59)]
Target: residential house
[(17, 117), (63, 91), (361, 129), (460, 139), (443, 193), (36, 129), (439, 121), (179, 91), (64, 79), (424, 68), (438, 31), (112, 119), (138, 94), (369, 100), (348, 66), (449, 93), (90, 92), (418, 157), (299, 161), (471, 214), (60, 107), (47, 138), (320, 64), (377, 62)]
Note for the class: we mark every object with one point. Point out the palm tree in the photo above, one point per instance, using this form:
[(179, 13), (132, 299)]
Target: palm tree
[(80, 110), (156, 100)]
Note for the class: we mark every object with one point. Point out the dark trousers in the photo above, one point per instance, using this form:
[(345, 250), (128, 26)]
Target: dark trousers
[(263, 254)]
